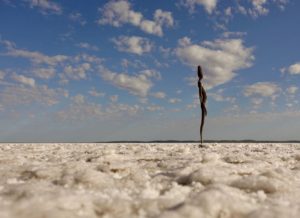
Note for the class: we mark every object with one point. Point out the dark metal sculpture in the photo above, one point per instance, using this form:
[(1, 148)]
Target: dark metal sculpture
[(202, 98)]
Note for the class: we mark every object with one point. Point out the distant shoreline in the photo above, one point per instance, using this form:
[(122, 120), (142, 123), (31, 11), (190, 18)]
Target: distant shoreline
[(207, 141)]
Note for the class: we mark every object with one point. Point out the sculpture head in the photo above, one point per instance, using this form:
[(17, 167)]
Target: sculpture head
[(200, 73)]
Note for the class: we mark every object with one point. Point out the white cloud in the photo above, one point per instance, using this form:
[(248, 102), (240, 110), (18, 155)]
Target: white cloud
[(174, 100), (44, 73), (241, 9), (24, 80), (154, 108), (220, 59), (221, 98), (163, 18), (191, 80), (151, 73), (114, 98), (78, 99), (16, 95), (178, 92), (228, 34), (78, 18), (7, 44), (133, 44), (88, 46), (117, 13), (2, 75), (45, 6), (87, 58), (120, 109), (77, 72), (209, 5), (138, 84), (81, 110), (36, 57), (292, 90), (228, 11), (256, 102), (294, 69), (137, 64), (258, 8), (159, 95), (264, 89), (93, 92)]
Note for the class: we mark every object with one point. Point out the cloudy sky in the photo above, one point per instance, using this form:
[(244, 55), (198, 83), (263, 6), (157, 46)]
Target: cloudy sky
[(126, 69)]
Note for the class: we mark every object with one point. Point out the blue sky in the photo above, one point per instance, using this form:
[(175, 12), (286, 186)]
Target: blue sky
[(126, 70)]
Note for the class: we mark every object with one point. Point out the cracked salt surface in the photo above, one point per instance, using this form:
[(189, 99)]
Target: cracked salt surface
[(150, 180)]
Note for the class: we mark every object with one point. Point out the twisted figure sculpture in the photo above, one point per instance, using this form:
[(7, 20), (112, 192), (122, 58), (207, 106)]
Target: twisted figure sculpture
[(202, 98)]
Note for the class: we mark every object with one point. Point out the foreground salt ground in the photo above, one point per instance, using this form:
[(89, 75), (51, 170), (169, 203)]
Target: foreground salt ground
[(150, 180)]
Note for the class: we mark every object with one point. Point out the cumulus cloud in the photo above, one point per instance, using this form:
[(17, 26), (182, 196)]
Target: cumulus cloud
[(139, 84), (44, 73), (220, 97), (93, 92), (77, 72), (154, 108), (114, 98), (2, 74), (81, 110), (117, 13), (174, 100), (36, 57), (292, 90), (159, 95), (151, 73), (221, 59), (264, 89), (16, 95), (45, 67), (294, 69), (229, 34), (209, 5), (84, 110), (78, 99), (45, 6), (228, 11), (115, 109), (78, 18), (7, 44), (256, 102), (133, 44), (87, 58), (260, 7), (87, 46), (24, 80)]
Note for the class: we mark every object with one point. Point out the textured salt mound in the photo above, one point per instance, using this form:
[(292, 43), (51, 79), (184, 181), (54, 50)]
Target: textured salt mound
[(269, 182), (149, 180), (214, 201)]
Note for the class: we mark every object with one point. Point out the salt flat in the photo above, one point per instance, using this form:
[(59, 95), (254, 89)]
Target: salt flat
[(150, 180)]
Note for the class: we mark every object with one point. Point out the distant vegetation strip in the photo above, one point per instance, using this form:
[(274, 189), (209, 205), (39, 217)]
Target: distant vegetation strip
[(207, 141)]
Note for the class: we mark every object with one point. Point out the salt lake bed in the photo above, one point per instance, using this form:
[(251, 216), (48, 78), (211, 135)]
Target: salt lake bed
[(163, 180)]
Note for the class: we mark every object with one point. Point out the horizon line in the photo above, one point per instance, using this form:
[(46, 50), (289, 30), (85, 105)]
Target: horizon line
[(167, 141)]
